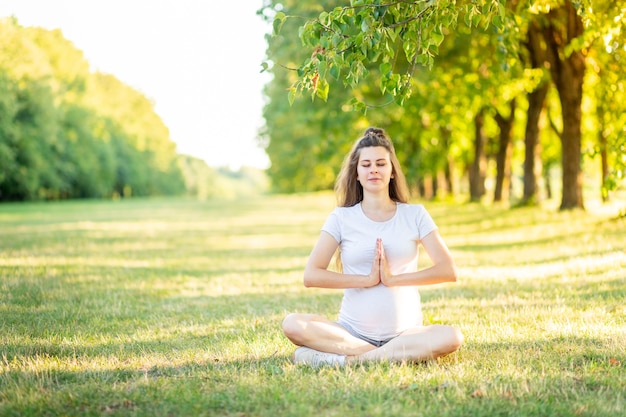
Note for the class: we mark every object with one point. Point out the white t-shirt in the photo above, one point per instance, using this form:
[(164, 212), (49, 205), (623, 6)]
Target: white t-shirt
[(380, 312)]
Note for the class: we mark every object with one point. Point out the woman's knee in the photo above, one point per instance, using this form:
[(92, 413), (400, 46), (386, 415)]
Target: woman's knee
[(451, 338), (292, 326), (456, 338)]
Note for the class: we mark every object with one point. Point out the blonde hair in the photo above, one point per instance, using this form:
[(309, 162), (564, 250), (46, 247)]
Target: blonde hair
[(349, 191)]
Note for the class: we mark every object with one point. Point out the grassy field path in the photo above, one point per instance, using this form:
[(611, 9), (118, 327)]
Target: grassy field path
[(173, 308)]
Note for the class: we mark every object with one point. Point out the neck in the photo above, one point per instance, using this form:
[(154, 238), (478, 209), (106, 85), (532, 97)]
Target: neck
[(378, 208), (377, 202)]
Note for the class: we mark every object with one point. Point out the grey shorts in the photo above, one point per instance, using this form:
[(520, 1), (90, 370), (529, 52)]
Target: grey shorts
[(377, 343)]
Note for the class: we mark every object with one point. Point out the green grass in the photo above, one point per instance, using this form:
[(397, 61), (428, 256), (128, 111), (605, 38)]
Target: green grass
[(173, 308)]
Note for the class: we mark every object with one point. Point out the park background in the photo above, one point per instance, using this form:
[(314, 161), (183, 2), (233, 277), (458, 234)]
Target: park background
[(140, 280)]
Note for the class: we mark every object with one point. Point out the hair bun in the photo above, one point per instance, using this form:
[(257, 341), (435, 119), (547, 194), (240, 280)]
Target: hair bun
[(374, 131)]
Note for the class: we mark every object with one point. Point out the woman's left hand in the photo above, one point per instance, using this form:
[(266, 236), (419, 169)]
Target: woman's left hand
[(385, 273)]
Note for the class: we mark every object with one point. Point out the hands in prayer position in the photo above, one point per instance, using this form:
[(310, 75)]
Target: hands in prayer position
[(380, 267)]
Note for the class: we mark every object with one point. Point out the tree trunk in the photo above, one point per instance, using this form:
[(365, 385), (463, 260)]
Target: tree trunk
[(568, 74), (449, 175), (448, 168), (413, 170), (536, 103), (435, 185), (421, 188), (604, 157), (477, 172), (503, 157), (548, 182), (532, 144)]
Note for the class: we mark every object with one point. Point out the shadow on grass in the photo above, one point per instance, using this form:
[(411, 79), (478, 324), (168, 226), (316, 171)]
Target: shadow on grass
[(135, 322), (538, 292), (546, 354), (543, 377), (541, 250), (168, 320)]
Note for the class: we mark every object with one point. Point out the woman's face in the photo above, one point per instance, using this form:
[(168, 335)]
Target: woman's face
[(374, 168)]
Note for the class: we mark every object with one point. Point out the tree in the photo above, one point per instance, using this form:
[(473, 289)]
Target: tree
[(68, 133), (344, 41), (559, 28), (308, 138), (607, 88), (536, 98), (9, 167), (505, 149)]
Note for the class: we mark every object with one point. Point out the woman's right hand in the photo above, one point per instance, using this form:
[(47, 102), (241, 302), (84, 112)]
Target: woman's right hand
[(374, 276)]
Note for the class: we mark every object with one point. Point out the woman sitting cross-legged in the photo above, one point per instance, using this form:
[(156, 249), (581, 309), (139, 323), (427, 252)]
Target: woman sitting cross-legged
[(377, 233)]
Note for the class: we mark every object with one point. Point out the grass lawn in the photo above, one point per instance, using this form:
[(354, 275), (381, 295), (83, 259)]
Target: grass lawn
[(173, 308)]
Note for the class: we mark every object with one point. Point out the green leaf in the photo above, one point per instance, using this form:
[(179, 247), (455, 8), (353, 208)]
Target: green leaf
[(279, 21), (321, 69), (322, 89), (385, 68), (291, 97), (421, 59), (324, 19), (336, 40), (497, 22), (476, 19), (436, 38), (366, 24), (357, 105), (325, 42), (467, 17)]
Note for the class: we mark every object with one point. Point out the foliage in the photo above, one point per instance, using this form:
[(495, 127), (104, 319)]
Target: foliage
[(345, 39), (608, 89), (307, 139), (204, 182), (443, 63), (159, 307), (68, 133)]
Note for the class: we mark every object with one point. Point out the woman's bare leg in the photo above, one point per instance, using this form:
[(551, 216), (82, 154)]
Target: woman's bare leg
[(416, 345), (319, 333)]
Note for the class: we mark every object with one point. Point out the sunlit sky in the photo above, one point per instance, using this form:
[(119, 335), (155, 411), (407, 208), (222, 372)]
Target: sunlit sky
[(199, 61)]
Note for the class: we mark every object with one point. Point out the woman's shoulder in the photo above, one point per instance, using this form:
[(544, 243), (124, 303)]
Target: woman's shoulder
[(417, 214), (341, 212), (412, 209), (348, 209)]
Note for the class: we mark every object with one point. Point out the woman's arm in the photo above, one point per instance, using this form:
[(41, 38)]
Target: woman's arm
[(316, 273), (442, 270)]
